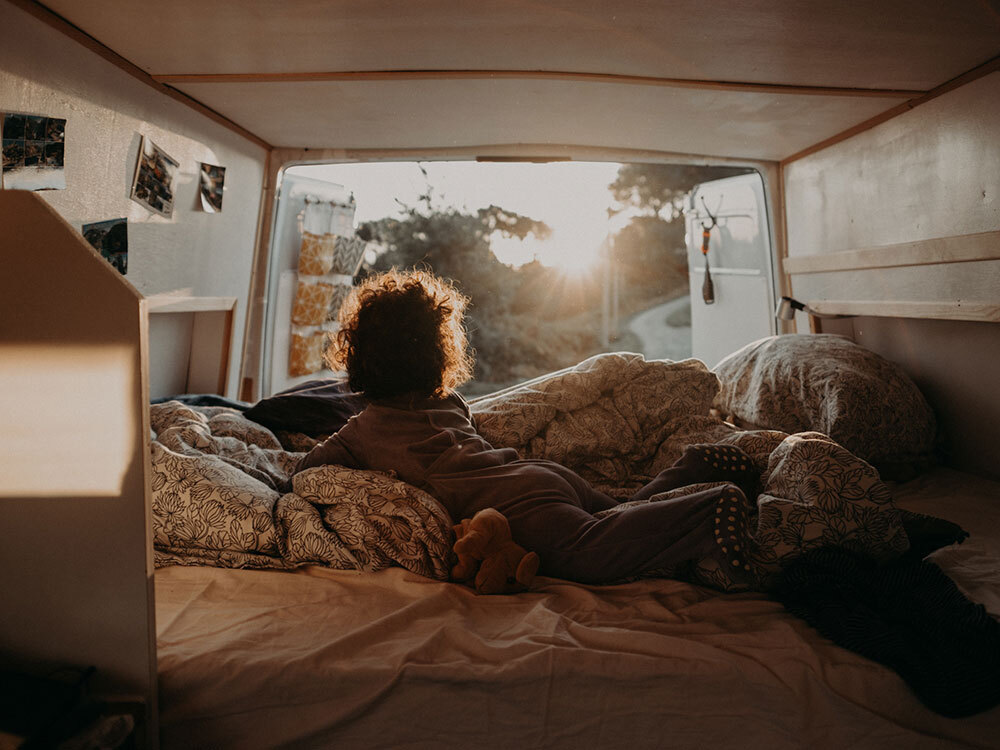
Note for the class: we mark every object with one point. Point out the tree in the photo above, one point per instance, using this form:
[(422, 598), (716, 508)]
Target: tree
[(655, 188), (512, 340), (651, 255), (650, 249)]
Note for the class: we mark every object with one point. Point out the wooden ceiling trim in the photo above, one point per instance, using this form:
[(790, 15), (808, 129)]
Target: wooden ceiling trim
[(546, 75), (990, 66), (60, 24), (285, 157)]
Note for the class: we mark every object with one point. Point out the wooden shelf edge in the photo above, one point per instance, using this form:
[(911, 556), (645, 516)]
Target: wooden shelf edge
[(962, 248), (165, 303), (984, 312)]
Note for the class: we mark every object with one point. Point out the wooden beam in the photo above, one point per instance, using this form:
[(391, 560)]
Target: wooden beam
[(60, 24), (528, 75), (985, 312), (990, 66), (960, 248)]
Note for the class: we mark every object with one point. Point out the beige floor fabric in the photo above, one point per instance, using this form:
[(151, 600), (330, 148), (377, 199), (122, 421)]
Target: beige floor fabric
[(320, 658)]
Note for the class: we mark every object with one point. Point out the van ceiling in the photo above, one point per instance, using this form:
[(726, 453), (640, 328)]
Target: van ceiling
[(747, 79)]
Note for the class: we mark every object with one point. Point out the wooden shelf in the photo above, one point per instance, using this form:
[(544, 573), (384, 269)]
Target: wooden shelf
[(985, 312), (166, 303)]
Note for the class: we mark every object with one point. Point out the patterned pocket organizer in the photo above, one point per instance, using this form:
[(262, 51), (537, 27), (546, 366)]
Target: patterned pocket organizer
[(340, 294), (347, 255), (316, 254), (305, 355), (312, 301)]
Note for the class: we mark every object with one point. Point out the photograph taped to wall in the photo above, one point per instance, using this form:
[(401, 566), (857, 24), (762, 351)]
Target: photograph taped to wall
[(212, 180), (33, 152), (155, 176), (110, 239)]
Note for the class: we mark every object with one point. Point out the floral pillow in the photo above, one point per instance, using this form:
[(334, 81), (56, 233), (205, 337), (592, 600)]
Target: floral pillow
[(829, 384)]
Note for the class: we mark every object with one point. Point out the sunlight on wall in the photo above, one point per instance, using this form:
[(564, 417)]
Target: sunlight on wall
[(68, 417)]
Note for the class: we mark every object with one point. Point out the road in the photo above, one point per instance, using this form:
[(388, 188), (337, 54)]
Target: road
[(660, 341)]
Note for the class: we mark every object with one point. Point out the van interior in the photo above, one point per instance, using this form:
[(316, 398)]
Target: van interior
[(847, 200)]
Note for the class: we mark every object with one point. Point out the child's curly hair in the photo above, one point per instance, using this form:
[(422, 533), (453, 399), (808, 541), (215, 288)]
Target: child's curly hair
[(401, 333)]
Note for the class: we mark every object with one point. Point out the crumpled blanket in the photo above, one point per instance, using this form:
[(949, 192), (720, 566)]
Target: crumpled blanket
[(616, 419), (215, 502)]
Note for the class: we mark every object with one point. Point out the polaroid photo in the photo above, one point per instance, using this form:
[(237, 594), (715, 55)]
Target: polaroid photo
[(110, 239), (155, 178), (212, 180), (33, 151)]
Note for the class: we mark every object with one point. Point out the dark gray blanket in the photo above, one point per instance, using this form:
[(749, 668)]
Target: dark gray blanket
[(907, 615)]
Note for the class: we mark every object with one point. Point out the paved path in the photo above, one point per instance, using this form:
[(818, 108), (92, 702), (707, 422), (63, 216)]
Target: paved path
[(660, 341)]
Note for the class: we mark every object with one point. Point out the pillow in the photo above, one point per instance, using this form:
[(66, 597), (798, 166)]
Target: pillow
[(829, 384), (315, 408)]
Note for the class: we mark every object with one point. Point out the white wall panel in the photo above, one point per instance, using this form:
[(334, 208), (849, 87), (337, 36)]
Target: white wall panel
[(192, 253), (932, 172)]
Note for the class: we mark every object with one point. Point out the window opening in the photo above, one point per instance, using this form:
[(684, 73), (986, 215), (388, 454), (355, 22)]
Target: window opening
[(561, 260)]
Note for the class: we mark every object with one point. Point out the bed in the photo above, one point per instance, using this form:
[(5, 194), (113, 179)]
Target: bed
[(384, 655)]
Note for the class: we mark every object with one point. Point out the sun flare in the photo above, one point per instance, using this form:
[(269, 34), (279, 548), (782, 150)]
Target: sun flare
[(571, 256)]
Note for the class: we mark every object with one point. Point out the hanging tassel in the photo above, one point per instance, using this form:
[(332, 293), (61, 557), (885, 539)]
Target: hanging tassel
[(708, 288)]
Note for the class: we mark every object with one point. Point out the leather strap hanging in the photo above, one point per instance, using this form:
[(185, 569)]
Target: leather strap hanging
[(708, 288)]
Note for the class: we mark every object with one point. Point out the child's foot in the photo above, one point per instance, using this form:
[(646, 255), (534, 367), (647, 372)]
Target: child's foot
[(733, 539), (722, 463)]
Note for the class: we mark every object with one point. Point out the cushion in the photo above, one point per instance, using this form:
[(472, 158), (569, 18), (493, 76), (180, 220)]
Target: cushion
[(316, 407), (829, 384)]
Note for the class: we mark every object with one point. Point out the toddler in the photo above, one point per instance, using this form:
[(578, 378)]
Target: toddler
[(403, 344)]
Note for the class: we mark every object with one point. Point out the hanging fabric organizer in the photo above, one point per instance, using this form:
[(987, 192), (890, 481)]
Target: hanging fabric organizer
[(329, 257)]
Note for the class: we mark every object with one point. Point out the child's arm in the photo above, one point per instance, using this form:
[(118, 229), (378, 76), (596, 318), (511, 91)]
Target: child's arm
[(331, 451)]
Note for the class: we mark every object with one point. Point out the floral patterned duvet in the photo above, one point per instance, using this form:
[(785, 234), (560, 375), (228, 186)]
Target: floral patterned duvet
[(616, 419)]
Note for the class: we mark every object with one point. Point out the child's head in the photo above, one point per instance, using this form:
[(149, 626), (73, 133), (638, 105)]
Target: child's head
[(401, 333)]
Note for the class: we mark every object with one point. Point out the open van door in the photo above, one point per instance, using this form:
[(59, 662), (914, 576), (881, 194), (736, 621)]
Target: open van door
[(304, 205), (736, 304)]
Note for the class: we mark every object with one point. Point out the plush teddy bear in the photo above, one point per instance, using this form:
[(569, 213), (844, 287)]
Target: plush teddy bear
[(487, 553)]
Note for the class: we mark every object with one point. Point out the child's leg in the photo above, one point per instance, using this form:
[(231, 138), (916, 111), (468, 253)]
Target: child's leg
[(574, 545), (705, 463)]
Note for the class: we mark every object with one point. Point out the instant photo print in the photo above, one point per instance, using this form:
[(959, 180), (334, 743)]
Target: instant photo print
[(155, 177), (212, 181), (33, 150), (110, 239)]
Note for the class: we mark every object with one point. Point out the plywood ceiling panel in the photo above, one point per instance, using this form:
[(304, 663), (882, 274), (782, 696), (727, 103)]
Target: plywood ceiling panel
[(859, 52), (414, 114), (889, 44)]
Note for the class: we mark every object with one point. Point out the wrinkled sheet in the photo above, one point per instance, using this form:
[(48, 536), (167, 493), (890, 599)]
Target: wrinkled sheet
[(324, 658)]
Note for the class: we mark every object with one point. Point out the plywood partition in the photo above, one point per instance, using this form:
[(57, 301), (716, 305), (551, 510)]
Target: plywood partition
[(76, 560), (899, 225)]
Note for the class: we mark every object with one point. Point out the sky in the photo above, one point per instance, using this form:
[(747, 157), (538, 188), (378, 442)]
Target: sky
[(571, 197)]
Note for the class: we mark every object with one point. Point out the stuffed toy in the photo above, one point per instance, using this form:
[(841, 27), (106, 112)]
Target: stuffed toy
[(487, 553)]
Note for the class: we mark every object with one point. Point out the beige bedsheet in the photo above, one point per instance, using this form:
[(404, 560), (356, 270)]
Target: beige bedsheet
[(323, 658)]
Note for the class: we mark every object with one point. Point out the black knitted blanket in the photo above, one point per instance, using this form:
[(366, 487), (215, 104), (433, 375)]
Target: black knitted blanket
[(907, 615)]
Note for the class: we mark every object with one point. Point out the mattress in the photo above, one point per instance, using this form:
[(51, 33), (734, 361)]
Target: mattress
[(323, 658)]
